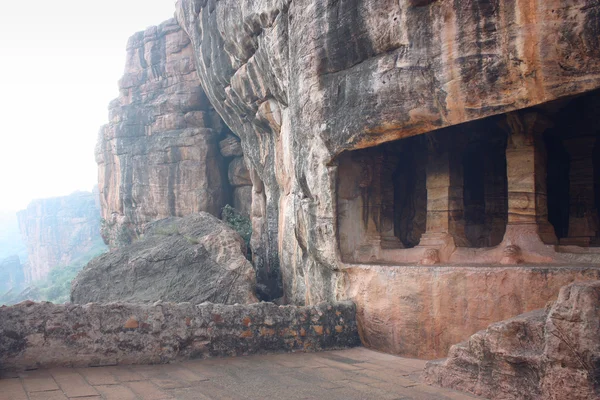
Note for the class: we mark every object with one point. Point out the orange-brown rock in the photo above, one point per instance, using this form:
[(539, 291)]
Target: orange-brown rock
[(302, 82), (159, 155), (421, 312), (306, 84), (551, 353)]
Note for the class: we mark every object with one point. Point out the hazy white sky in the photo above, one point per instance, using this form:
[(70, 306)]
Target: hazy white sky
[(60, 62)]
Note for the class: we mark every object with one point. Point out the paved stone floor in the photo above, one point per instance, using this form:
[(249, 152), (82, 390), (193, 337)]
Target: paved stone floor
[(348, 374)]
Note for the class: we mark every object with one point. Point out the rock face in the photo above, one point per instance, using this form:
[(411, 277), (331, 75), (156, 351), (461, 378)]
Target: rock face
[(421, 311), (550, 353), (305, 83), (301, 82), (159, 156), (46, 335), (192, 259), (58, 230)]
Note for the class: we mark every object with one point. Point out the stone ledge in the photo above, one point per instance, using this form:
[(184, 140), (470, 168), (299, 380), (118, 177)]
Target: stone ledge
[(42, 335)]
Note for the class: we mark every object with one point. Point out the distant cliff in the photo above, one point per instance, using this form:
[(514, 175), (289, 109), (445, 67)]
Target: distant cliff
[(58, 231), (11, 242), (11, 274)]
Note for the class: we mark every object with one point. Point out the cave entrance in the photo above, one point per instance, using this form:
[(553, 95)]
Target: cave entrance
[(485, 190), (382, 198), (573, 171), (428, 190)]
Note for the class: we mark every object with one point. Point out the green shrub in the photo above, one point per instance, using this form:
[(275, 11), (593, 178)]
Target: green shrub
[(239, 222)]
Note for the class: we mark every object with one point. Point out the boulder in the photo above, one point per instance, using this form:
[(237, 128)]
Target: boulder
[(231, 147), (552, 353), (193, 259)]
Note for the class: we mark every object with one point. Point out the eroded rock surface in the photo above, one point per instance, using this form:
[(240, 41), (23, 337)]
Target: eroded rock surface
[(300, 82), (192, 259), (58, 230), (159, 155), (551, 353)]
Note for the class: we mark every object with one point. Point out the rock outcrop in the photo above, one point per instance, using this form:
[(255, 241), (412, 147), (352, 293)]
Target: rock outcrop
[(192, 259), (59, 230), (304, 83), (159, 156), (301, 82), (551, 353)]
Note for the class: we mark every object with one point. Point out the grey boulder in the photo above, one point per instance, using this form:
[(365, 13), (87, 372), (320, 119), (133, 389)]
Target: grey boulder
[(192, 259)]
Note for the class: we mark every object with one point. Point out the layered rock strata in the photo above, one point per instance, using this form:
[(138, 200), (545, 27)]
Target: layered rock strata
[(192, 259), (47, 335), (159, 156), (59, 230), (551, 353), (303, 82)]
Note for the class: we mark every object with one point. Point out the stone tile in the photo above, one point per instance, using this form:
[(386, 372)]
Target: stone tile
[(98, 376), (332, 374), (38, 381), (371, 390), (180, 373), (208, 390), (348, 375), (390, 377), (72, 383), (202, 370), (116, 392), (124, 373), (48, 395), (148, 391), (12, 389), (440, 393), (339, 365), (189, 394)]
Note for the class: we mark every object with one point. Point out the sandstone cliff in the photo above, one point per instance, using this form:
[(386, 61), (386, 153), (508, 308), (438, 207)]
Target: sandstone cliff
[(165, 151), (300, 82), (59, 230), (193, 259)]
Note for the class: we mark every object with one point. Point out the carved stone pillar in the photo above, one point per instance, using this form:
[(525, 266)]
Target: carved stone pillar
[(445, 206), (526, 173), (380, 203), (583, 215)]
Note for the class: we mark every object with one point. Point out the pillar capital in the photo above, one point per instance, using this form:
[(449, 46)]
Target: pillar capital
[(524, 127)]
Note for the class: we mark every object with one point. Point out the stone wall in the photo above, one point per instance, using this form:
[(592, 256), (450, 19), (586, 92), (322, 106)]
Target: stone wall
[(58, 230), (34, 335)]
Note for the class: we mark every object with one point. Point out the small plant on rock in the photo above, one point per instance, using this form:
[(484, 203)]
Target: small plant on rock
[(239, 222)]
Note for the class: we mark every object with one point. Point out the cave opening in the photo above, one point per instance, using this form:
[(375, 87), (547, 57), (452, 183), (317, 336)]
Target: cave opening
[(485, 184), (406, 193), (573, 170), (382, 198)]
